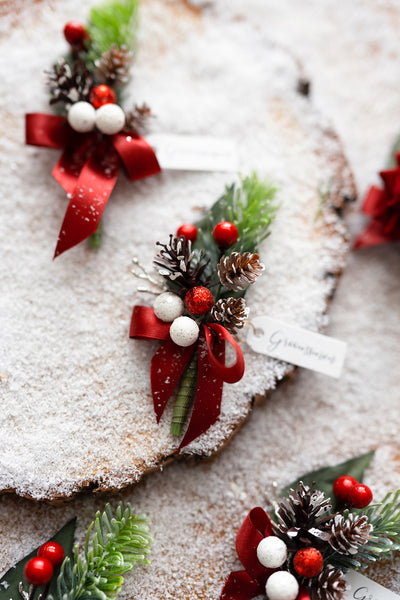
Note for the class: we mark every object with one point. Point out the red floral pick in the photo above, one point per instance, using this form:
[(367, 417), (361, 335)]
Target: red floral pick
[(88, 169), (250, 582), (383, 206)]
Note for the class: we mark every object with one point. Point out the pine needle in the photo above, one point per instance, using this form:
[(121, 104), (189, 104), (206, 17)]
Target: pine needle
[(114, 544), (113, 22)]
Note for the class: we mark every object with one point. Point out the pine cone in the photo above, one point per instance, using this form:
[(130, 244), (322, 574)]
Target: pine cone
[(349, 534), (231, 312), (174, 263), (329, 585), (304, 516), (237, 271), (66, 85), (113, 66), (136, 119)]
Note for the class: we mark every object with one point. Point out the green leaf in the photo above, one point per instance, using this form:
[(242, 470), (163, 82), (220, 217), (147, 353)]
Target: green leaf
[(324, 478), (65, 537)]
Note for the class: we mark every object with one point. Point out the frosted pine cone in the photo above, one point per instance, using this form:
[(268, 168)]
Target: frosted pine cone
[(174, 263), (113, 66), (231, 313), (349, 534), (136, 119), (68, 84), (329, 585), (237, 271)]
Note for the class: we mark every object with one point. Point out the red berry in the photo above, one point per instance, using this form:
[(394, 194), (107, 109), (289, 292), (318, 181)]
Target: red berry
[(342, 487), (225, 234), (102, 94), (38, 571), (360, 495), (308, 562), (199, 300), (75, 33), (188, 231), (53, 551)]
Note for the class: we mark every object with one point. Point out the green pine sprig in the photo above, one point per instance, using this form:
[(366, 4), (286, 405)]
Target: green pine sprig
[(251, 206), (113, 22), (384, 539), (117, 544)]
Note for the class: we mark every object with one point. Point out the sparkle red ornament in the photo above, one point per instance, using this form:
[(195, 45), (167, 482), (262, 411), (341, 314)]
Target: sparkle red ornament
[(225, 234), (308, 562), (75, 33), (188, 231), (360, 496), (342, 487), (53, 551), (102, 94), (38, 571), (199, 300)]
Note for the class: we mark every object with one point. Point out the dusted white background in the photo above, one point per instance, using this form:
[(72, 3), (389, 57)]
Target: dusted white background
[(351, 51)]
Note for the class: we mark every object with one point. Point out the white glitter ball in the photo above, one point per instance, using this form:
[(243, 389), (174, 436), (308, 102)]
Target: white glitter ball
[(168, 306), (110, 118), (272, 552), (282, 585), (82, 116), (184, 331)]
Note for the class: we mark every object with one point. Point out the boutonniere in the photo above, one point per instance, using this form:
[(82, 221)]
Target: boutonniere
[(204, 272), (94, 132), (323, 526)]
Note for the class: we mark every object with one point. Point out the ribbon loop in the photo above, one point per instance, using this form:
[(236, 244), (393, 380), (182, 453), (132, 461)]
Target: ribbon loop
[(146, 326), (137, 155), (228, 374)]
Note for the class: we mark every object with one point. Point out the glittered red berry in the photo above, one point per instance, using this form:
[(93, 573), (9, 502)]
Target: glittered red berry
[(188, 231), (53, 551), (102, 94), (308, 562), (342, 487), (75, 33), (225, 234), (360, 496), (199, 300), (38, 571)]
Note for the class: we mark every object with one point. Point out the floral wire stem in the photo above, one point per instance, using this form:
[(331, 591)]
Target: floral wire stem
[(96, 238)]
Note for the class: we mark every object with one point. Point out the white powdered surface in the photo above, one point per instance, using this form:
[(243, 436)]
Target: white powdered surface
[(352, 52), (77, 404)]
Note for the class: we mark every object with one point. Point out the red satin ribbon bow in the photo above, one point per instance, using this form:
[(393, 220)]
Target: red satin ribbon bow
[(88, 169), (170, 361), (383, 206), (250, 582)]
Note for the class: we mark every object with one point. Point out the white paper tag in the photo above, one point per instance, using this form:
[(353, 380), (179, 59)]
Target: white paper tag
[(362, 588), (194, 152), (297, 346)]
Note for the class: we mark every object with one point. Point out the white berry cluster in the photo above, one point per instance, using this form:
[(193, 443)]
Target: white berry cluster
[(281, 585), (83, 117), (169, 307)]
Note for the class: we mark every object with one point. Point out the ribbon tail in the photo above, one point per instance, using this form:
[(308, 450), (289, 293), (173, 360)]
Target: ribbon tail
[(137, 155), (86, 206), (240, 586), (207, 403), (167, 367)]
